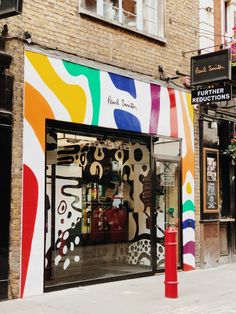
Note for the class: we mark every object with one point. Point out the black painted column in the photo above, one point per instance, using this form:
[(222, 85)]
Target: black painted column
[(6, 84), (5, 183)]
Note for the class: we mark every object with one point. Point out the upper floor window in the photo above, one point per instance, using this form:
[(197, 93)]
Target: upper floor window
[(144, 16), (226, 16)]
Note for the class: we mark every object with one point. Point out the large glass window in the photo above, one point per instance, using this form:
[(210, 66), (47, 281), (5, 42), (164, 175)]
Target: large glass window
[(146, 16), (97, 207)]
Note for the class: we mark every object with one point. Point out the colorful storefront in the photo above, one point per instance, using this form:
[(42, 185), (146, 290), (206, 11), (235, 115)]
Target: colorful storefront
[(108, 164)]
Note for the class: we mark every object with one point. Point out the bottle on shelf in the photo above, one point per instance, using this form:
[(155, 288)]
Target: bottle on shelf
[(93, 192)]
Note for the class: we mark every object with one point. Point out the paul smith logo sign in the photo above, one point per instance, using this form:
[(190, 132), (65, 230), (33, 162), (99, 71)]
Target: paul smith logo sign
[(121, 102), (10, 7), (211, 67)]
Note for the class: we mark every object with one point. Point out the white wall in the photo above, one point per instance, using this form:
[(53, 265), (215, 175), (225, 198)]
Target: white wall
[(206, 24)]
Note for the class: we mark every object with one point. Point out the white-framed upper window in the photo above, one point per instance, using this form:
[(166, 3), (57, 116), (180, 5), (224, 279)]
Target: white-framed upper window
[(143, 16)]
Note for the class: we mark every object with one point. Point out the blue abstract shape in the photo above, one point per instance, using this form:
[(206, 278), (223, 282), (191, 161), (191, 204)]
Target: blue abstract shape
[(189, 223), (126, 121), (124, 83)]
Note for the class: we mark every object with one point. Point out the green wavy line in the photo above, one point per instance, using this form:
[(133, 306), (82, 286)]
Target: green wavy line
[(93, 77), (188, 205)]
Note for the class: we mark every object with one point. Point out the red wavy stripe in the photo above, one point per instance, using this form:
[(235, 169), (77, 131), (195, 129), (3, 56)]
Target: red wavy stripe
[(187, 267), (30, 201), (173, 113)]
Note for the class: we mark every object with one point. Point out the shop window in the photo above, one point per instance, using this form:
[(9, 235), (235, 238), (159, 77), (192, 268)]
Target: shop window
[(145, 16), (98, 206), (226, 15)]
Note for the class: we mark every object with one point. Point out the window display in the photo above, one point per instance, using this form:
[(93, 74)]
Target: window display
[(210, 180), (96, 210)]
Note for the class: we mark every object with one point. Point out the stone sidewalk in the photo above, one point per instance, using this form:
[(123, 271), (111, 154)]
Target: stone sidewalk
[(201, 291)]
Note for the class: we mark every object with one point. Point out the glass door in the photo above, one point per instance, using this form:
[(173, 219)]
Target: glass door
[(167, 203), (168, 183)]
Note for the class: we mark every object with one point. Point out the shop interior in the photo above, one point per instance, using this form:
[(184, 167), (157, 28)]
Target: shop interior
[(97, 208)]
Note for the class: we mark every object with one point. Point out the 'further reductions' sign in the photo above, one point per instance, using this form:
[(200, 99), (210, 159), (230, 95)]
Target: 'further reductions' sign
[(211, 94), (10, 7), (211, 67)]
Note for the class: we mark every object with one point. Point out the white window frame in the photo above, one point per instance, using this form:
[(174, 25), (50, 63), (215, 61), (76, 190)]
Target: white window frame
[(139, 18)]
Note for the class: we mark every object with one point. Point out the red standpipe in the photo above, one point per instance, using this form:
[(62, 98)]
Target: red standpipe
[(171, 283)]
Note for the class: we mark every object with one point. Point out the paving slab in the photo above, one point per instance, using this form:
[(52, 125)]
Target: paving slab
[(200, 291)]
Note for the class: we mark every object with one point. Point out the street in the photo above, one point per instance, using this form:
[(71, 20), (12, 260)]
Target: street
[(201, 291)]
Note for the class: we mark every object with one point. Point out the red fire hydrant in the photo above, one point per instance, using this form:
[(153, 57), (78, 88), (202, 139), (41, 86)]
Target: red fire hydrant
[(171, 283)]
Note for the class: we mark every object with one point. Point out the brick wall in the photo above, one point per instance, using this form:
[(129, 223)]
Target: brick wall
[(16, 70), (56, 24)]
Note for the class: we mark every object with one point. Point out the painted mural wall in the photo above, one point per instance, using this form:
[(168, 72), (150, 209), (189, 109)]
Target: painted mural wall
[(65, 91)]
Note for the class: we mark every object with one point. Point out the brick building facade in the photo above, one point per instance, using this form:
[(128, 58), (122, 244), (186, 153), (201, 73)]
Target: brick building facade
[(59, 30), (217, 32)]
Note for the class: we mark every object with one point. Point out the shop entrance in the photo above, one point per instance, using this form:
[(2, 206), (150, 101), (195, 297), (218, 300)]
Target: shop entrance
[(218, 218), (98, 206), (167, 154), (227, 199)]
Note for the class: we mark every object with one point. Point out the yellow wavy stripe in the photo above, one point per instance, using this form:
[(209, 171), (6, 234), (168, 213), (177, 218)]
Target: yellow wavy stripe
[(189, 189), (37, 110), (72, 97), (188, 160), (190, 107)]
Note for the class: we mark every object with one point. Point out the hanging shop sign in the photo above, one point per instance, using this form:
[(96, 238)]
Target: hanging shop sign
[(10, 8), (211, 67), (220, 93), (210, 180)]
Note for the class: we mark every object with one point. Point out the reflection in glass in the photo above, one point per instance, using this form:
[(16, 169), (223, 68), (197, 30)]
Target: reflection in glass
[(97, 208), (90, 5), (150, 17)]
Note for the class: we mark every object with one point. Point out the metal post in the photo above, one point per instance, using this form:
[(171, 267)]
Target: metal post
[(171, 283)]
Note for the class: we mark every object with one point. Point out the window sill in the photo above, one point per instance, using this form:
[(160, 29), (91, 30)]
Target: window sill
[(208, 220), (85, 13), (227, 219)]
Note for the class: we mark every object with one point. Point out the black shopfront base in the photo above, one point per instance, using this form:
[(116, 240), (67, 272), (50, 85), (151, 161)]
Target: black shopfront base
[(6, 92)]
